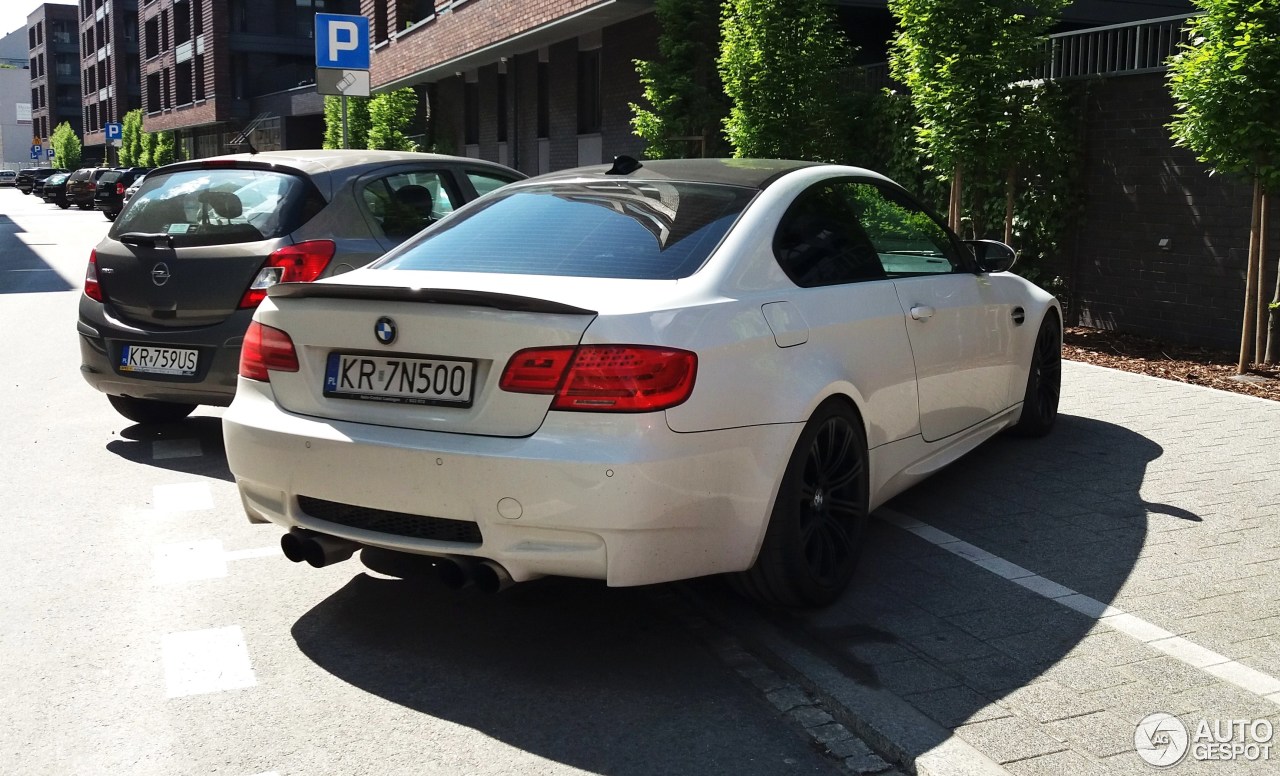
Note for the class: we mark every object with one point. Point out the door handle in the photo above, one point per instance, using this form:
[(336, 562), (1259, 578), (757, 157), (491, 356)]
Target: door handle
[(1019, 315), (921, 312)]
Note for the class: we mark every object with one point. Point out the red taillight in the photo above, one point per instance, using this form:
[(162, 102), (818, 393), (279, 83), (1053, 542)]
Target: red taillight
[(301, 263), (604, 378), (92, 288), (266, 348), (120, 189)]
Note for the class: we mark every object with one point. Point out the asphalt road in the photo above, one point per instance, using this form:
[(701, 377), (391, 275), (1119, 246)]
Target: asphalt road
[(148, 628)]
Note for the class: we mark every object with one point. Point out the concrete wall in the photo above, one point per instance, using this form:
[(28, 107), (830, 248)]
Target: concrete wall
[(15, 138)]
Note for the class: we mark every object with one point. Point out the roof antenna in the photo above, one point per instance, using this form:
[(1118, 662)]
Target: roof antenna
[(623, 165)]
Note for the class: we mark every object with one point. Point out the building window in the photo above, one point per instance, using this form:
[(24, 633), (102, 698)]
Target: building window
[(471, 113), (380, 21), (181, 24), (199, 77), (544, 99), (590, 117), (151, 47), (153, 93), (183, 83), (502, 107), (197, 17)]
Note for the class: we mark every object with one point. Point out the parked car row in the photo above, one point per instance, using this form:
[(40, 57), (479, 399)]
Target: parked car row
[(637, 372), (105, 188)]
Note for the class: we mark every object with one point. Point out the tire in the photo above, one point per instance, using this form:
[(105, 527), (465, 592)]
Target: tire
[(147, 411), (1044, 382), (64, 205), (815, 532), (110, 216), (83, 206)]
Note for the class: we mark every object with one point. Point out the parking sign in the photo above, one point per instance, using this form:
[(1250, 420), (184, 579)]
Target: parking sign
[(114, 130), (51, 153), (342, 41)]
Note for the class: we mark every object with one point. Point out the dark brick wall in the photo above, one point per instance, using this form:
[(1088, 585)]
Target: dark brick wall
[(620, 85), (1141, 190)]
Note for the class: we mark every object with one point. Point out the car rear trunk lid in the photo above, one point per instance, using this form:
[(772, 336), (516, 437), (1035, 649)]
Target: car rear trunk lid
[(462, 337)]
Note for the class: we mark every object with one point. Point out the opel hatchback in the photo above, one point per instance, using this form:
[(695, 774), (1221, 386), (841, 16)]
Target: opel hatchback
[(169, 292)]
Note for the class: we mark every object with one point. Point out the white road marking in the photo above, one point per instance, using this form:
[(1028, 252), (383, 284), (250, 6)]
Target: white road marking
[(202, 559), (189, 561), (176, 448), (185, 497), (206, 661), (1177, 647)]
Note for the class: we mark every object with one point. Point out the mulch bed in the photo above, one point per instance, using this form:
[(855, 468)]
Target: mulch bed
[(1199, 366)]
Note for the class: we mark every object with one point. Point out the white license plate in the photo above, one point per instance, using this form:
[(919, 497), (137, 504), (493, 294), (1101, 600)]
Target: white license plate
[(159, 361), (399, 380)]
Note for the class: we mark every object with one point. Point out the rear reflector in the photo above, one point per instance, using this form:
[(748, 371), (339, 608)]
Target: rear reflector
[(92, 288), (266, 348), (119, 189), (301, 263), (604, 378)]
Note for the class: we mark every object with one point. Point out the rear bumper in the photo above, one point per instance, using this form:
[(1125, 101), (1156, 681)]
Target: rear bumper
[(620, 498), (102, 338)]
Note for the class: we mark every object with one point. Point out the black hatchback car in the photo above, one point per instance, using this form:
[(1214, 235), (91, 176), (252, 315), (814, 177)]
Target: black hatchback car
[(109, 196), (170, 291), (27, 178), (53, 190)]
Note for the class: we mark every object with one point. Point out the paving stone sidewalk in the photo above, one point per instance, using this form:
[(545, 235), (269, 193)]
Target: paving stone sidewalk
[(1159, 499)]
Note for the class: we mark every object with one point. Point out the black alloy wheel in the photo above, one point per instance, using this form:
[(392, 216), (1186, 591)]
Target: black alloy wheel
[(815, 533), (1044, 382)]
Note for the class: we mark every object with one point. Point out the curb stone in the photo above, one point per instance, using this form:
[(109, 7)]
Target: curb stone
[(794, 704), (882, 729)]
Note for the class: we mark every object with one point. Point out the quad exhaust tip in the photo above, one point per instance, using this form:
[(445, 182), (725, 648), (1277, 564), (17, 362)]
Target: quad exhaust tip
[(453, 571), (316, 549)]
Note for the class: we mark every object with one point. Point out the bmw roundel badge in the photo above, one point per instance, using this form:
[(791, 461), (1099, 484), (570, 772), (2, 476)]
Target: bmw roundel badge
[(385, 330)]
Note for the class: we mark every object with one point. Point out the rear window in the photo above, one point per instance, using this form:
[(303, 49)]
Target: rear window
[(109, 177), (641, 230), (220, 206)]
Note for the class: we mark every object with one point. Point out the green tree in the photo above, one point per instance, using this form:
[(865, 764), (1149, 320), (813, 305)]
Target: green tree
[(963, 61), (131, 138), (778, 59), (357, 122), (146, 157), (1226, 83), (683, 86), (67, 147), (390, 115), (166, 149)]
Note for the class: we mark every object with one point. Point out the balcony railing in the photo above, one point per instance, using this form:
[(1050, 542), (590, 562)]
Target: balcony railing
[(1118, 49)]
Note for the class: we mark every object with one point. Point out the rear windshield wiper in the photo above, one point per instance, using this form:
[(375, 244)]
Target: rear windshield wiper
[(146, 238)]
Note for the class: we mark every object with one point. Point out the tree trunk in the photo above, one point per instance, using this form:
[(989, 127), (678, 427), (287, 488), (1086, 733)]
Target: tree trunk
[(1260, 332), (1250, 281), (1010, 184), (953, 209)]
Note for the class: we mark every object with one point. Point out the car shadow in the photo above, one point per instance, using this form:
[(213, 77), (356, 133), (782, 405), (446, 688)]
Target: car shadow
[(22, 271), (191, 446), (606, 680), (951, 637)]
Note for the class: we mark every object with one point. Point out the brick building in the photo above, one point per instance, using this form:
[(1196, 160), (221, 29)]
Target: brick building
[(212, 67), (537, 85), (109, 66), (54, 53)]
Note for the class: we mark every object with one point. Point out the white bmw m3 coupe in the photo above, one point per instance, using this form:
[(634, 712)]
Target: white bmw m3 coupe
[(638, 373)]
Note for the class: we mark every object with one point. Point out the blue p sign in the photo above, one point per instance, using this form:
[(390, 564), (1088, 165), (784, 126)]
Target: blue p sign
[(51, 153), (114, 130), (342, 41)]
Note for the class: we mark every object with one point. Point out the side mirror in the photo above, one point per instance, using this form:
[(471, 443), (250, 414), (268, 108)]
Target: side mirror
[(992, 255)]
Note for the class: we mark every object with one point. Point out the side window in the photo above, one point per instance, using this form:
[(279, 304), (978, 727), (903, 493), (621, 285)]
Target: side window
[(820, 243), (907, 239), (486, 182), (405, 203)]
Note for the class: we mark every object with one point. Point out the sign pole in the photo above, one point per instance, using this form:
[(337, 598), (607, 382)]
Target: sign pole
[(345, 144)]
